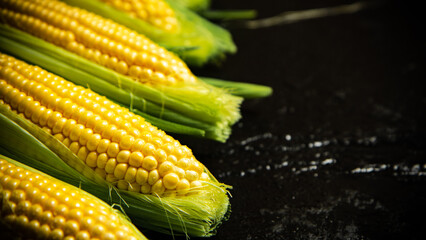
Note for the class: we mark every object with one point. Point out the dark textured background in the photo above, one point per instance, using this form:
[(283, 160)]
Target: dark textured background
[(338, 151)]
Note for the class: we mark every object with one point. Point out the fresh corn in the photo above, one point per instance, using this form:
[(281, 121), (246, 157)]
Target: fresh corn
[(35, 205), (116, 62), (72, 134), (97, 39), (193, 38), (121, 147)]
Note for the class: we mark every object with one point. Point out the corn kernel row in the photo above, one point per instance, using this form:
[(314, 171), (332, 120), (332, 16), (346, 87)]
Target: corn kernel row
[(156, 12)]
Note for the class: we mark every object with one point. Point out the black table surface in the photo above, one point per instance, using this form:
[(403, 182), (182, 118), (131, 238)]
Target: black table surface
[(338, 151)]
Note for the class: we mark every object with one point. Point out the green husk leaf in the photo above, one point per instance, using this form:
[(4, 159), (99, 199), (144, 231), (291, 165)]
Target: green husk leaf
[(196, 215), (207, 42), (226, 15), (242, 89), (164, 124), (195, 5), (202, 7), (200, 104)]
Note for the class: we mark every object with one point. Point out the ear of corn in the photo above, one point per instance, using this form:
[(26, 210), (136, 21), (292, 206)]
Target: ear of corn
[(165, 118), (35, 205), (59, 125), (190, 97), (196, 40)]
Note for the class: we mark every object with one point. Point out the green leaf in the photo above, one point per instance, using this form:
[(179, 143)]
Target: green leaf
[(226, 15), (195, 5), (245, 90)]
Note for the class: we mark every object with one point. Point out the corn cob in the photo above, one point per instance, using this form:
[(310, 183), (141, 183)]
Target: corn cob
[(196, 40), (165, 81), (98, 40), (122, 147), (112, 144), (35, 205)]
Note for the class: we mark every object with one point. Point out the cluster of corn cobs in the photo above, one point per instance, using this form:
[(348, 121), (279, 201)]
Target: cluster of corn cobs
[(87, 91)]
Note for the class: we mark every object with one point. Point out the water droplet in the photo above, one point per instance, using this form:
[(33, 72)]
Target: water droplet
[(328, 161)]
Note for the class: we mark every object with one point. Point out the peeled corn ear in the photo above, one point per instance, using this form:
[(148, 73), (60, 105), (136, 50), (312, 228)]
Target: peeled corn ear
[(112, 147), (35, 205), (122, 147), (196, 40), (97, 39)]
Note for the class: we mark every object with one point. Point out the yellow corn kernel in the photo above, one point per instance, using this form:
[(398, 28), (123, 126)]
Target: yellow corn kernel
[(158, 187), (204, 177), (113, 149), (103, 146), (74, 147), (110, 165), (93, 142), (82, 153), (165, 168), (148, 149), (123, 156), (149, 163), (120, 170), (160, 155), (101, 161), (141, 176), (183, 163), (196, 185), (91, 159), (127, 142), (146, 188), (110, 139), (170, 181), (45, 218), (191, 175), (180, 172), (130, 175), (183, 187), (122, 184), (136, 159), (153, 177)]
